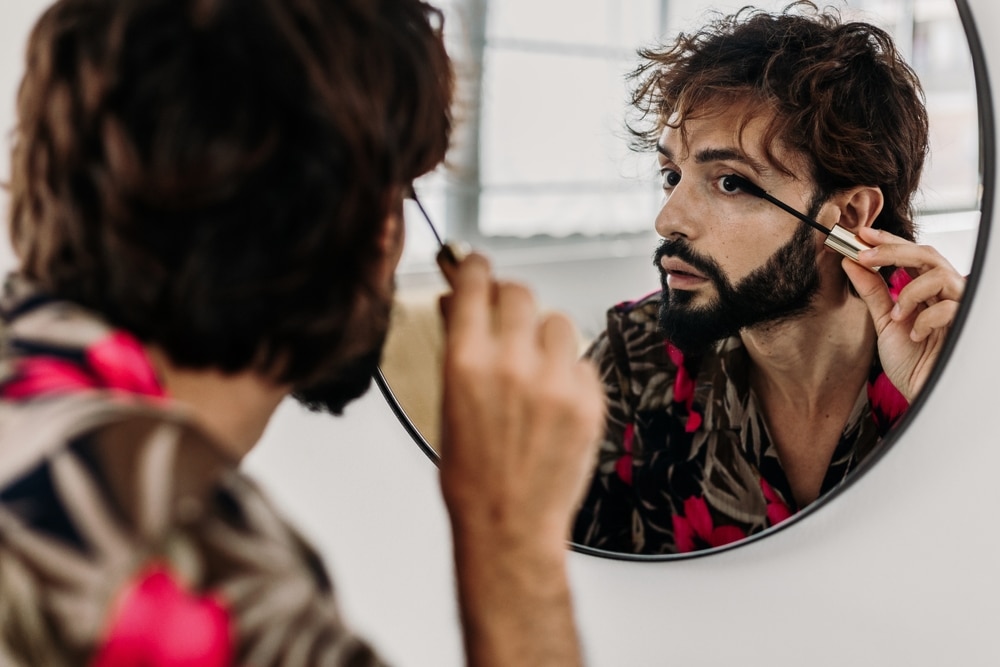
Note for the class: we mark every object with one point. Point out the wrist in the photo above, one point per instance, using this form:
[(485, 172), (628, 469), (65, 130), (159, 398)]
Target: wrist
[(497, 532), (515, 600)]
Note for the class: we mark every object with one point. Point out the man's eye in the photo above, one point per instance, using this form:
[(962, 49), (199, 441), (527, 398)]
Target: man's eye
[(730, 183), (670, 177)]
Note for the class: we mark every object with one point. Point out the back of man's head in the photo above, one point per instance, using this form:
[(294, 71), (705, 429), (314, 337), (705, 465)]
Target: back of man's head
[(839, 92), (214, 175)]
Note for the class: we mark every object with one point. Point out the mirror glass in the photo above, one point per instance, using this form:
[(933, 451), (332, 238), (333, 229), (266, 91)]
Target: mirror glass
[(541, 176)]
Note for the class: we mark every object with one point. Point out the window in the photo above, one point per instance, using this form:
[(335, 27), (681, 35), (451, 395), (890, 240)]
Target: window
[(541, 158)]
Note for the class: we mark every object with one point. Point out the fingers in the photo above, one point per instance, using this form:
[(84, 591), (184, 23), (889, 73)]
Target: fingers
[(559, 344), (557, 336), (466, 310), (938, 284), (594, 406), (891, 250), (872, 290), (875, 237), (514, 320), (930, 300), (938, 317), (495, 327), (521, 414)]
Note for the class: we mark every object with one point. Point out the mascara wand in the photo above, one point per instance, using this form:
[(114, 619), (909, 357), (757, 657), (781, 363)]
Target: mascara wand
[(843, 241)]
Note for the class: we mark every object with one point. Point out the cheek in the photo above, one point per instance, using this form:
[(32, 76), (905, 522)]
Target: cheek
[(742, 253)]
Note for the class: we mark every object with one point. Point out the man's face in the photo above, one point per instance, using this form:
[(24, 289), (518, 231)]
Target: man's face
[(729, 260)]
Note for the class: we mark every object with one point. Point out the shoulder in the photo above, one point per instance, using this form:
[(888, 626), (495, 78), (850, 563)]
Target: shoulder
[(143, 506), (639, 315), (632, 334), (630, 326), (634, 359)]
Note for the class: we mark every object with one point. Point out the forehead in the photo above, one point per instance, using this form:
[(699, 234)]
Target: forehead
[(737, 132)]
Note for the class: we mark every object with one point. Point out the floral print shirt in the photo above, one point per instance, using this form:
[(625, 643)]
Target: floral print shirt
[(686, 461), (127, 537)]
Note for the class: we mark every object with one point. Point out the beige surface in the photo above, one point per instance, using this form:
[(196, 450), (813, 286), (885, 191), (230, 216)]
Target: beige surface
[(412, 360)]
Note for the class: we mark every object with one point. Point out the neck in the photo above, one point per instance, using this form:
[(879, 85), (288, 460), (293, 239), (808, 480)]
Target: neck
[(807, 361), (233, 409)]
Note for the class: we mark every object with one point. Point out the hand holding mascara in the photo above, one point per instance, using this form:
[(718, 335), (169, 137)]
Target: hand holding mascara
[(521, 412), (915, 312)]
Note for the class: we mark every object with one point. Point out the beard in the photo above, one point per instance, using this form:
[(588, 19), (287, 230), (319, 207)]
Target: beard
[(352, 381), (352, 378), (781, 289)]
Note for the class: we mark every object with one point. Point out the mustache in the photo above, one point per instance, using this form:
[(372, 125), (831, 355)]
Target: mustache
[(682, 250)]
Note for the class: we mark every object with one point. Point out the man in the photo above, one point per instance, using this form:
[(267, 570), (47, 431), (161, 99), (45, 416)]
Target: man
[(207, 203), (769, 366)]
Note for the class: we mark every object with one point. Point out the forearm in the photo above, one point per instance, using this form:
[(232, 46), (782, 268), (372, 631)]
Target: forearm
[(515, 603)]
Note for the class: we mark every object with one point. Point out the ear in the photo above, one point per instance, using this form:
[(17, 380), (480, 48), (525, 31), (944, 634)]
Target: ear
[(859, 206), (390, 240)]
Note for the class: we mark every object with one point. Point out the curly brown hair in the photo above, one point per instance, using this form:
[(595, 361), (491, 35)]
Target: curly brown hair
[(214, 175), (840, 94)]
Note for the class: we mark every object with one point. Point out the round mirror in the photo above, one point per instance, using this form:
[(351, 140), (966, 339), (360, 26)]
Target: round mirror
[(542, 178)]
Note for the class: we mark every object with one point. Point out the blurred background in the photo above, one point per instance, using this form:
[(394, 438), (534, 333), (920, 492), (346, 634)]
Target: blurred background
[(542, 178), (541, 175)]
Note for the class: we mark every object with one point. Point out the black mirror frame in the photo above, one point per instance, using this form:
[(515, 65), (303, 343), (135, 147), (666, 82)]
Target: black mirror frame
[(987, 143)]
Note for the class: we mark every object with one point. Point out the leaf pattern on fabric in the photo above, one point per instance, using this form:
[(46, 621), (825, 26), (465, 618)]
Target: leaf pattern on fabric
[(704, 470), (694, 529), (112, 503)]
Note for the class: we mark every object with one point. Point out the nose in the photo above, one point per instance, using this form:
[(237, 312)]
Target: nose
[(676, 217)]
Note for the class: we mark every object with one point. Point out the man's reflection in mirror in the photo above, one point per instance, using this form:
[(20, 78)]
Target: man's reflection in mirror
[(769, 366)]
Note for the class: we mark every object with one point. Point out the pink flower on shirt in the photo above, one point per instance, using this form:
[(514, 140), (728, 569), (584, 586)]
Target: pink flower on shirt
[(684, 388), (120, 362), (157, 623), (46, 375), (116, 362), (777, 510), (696, 530), (623, 466), (899, 279), (888, 404)]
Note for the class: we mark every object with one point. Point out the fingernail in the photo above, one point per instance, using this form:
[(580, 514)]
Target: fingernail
[(896, 312), (868, 254)]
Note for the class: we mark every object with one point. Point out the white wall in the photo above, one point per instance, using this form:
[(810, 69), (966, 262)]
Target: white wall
[(901, 570)]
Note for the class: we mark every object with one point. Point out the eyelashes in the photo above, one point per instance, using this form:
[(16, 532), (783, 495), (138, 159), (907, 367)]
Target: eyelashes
[(732, 182), (729, 183), (758, 191)]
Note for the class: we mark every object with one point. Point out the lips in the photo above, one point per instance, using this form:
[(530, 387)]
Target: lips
[(676, 267)]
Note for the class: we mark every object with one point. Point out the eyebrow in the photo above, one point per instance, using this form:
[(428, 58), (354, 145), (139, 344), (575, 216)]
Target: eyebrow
[(707, 155)]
